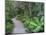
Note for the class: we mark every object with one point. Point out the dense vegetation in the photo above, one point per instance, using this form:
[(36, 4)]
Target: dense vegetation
[(9, 24), (31, 14)]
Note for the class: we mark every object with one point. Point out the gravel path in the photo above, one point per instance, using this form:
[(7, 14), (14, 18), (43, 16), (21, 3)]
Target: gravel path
[(18, 26)]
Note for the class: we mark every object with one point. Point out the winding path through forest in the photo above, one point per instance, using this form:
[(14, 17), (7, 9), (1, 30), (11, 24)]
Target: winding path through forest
[(18, 26)]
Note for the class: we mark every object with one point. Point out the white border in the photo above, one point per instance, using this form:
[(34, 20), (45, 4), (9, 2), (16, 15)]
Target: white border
[(2, 17), (30, 0)]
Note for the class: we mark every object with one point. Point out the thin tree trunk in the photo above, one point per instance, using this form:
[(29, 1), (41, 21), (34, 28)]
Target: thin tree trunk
[(30, 9)]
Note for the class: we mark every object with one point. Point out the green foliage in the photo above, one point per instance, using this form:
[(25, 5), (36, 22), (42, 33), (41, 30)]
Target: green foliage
[(9, 27), (9, 16), (36, 8), (25, 13), (33, 24)]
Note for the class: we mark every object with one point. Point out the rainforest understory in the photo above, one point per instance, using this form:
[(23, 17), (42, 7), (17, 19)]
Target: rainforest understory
[(31, 14)]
